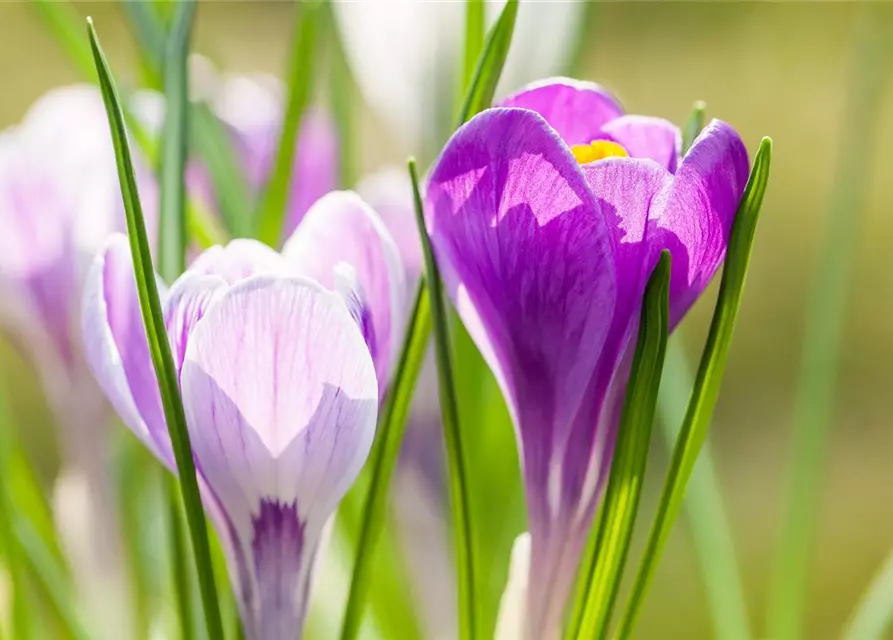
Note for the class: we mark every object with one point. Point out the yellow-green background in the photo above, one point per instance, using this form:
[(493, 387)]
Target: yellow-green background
[(779, 69)]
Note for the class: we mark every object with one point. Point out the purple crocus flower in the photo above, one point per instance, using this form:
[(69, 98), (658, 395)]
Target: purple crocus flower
[(279, 358), (547, 215)]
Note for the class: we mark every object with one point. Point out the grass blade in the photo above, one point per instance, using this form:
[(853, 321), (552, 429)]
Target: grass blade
[(392, 421), (480, 92), (457, 464), (822, 334), (149, 33), (612, 532), (172, 219), (474, 38), (707, 384), (276, 193), (383, 457), (159, 348), (704, 508)]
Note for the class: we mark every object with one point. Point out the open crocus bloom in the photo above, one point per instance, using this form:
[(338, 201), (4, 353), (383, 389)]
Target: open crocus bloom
[(279, 359), (546, 259)]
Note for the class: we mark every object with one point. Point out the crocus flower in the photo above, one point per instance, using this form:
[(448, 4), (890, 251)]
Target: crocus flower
[(59, 201), (404, 54), (279, 359), (251, 109), (547, 215)]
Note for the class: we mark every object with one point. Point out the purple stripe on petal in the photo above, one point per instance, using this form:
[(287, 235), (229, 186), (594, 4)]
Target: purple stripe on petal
[(189, 299), (577, 110), (648, 137), (693, 215)]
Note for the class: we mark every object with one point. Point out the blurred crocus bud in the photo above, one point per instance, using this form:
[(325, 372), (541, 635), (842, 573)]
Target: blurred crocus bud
[(59, 201), (251, 108), (406, 54)]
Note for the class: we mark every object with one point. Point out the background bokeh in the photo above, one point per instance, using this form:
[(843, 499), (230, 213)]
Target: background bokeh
[(779, 69)]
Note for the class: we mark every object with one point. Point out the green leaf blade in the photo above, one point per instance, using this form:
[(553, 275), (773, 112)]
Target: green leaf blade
[(490, 63), (612, 532), (457, 463), (159, 347), (707, 383)]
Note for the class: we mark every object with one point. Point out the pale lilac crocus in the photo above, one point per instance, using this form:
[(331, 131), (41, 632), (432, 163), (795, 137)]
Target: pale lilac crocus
[(280, 358), (59, 201), (545, 259), (250, 107)]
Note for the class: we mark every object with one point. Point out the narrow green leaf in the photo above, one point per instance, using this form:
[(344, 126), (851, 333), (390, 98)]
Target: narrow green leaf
[(344, 97), (383, 457), (693, 125), (486, 75), (392, 421), (159, 347), (611, 533), (707, 383), (457, 464), (705, 512), (180, 575), (276, 193), (149, 32), (172, 220), (831, 288), (474, 39)]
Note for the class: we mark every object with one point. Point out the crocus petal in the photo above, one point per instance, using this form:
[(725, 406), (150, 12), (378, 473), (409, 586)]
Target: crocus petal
[(648, 137), (340, 227), (576, 110), (281, 400), (238, 260), (190, 296), (526, 257), (693, 215), (512, 606), (389, 193), (117, 350)]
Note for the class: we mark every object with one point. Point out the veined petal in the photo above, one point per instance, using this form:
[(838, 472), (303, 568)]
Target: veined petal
[(648, 137), (238, 260), (281, 399), (526, 256), (576, 110), (189, 298), (340, 227), (117, 350), (693, 215)]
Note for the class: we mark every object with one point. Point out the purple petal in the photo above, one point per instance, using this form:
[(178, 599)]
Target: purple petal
[(117, 350), (693, 215), (281, 400), (340, 227), (576, 110), (189, 298), (526, 256), (647, 137), (238, 260)]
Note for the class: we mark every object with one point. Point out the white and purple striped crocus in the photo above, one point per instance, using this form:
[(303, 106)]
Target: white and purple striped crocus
[(280, 360), (546, 215)]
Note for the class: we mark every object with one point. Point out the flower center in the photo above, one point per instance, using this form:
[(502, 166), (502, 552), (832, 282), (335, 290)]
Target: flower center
[(598, 150)]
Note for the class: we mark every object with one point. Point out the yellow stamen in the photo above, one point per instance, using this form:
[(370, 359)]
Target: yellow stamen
[(598, 150)]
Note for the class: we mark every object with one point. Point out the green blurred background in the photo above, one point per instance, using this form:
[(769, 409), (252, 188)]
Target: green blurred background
[(778, 69)]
